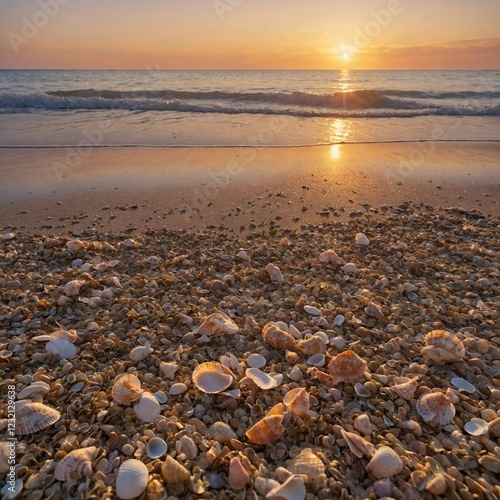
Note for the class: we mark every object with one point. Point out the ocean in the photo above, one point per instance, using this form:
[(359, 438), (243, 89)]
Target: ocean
[(163, 108)]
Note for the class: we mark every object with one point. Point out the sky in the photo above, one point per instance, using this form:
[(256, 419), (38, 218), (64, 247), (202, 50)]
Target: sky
[(250, 34)]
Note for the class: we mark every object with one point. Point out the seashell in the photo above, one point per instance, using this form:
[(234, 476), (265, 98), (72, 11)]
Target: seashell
[(12, 489), (238, 476), (256, 361), (481, 346), (268, 429), (169, 369), (218, 324), (187, 447), (76, 464), (314, 311), (154, 260), (338, 320), (242, 255), (494, 426), (357, 444), (221, 432), (476, 427), (330, 257), (393, 345), (436, 406), (69, 335), (317, 360), (178, 388), (312, 345), (462, 384), (73, 287), (361, 390), (350, 267), (292, 489), (274, 273), (140, 352), (308, 465), (436, 484), (173, 472), (64, 348), (443, 347), (130, 243), (156, 448), (363, 424), (297, 400), (5, 448), (347, 367), (75, 246), (35, 389), (161, 397), (34, 417), (156, 491), (385, 463), (275, 336), (261, 379), (148, 407), (212, 377), (361, 239), (126, 389), (404, 388), (131, 479)]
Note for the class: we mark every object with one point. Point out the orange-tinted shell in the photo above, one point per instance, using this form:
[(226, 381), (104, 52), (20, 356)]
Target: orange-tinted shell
[(347, 367), (238, 475), (358, 445), (275, 336), (310, 467), (331, 257), (274, 273), (298, 401), (212, 377), (218, 324), (436, 405), (394, 345), (126, 389), (404, 388), (269, 429), (75, 465), (34, 417), (312, 345), (443, 347)]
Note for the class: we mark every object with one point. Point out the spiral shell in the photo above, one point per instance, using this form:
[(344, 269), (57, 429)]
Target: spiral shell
[(274, 273), (404, 387), (76, 464), (297, 400), (212, 377), (126, 389), (275, 336), (385, 463), (436, 406), (34, 417), (218, 324), (132, 479), (331, 257), (173, 472), (347, 367), (268, 429), (312, 345), (310, 467), (443, 347), (358, 445)]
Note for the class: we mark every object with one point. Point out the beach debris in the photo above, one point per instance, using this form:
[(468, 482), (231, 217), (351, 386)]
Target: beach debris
[(436, 406), (270, 428), (156, 447), (274, 273), (443, 347), (131, 479), (126, 389), (275, 336), (347, 367), (385, 463), (75, 465), (218, 324), (212, 377), (33, 417)]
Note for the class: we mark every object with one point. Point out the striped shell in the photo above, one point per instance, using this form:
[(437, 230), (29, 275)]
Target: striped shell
[(38, 388), (269, 429), (312, 345), (126, 389), (275, 336), (331, 257), (404, 387), (436, 406), (174, 472), (34, 417), (75, 465), (218, 324), (212, 378), (132, 479), (443, 347), (308, 465), (347, 367), (274, 273), (385, 463), (357, 444), (297, 400)]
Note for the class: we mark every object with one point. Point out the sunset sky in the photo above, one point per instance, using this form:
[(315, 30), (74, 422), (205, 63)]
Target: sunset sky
[(250, 34)]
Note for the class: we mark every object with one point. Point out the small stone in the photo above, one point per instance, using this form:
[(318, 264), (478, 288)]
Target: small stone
[(350, 268)]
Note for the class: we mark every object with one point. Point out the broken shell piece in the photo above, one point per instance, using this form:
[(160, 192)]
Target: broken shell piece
[(363, 424), (347, 367), (126, 389), (298, 401), (34, 417), (268, 429), (292, 489), (361, 390), (443, 347), (357, 444), (148, 407), (73, 287), (76, 464), (238, 476), (169, 369), (261, 379), (212, 377), (61, 347), (218, 324), (331, 257), (350, 267), (436, 406), (312, 345), (393, 345), (405, 388), (361, 239), (476, 427), (242, 255), (313, 311), (38, 388), (385, 463), (462, 384), (275, 336), (156, 448), (274, 273), (130, 243), (75, 246), (140, 352), (132, 479), (173, 472)]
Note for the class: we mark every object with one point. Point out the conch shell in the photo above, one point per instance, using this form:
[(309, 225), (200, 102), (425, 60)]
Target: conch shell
[(76, 464), (275, 336), (436, 406), (347, 367), (126, 389), (218, 324), (443, 347), (297, 400), (270, 428)]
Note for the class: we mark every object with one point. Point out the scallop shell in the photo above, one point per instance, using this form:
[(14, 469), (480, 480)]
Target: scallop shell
[(404, 388), (156, 448), (148, 407), (435, 405), (140, 352), (262, 379), (331, 257), (268, 429), (62, 347), (38, 388), (173, 472), (73, 287), (385, 463), (275, 336), (298, 401), (126, 389), (131, 479), (274, 273), (347, 367), (238, 476), (307, 464), (443, 347), (292, 489), (218, 324), (357, 444), (76, 464), (363, 424), (312, 345), (34, 417), (212, 377)]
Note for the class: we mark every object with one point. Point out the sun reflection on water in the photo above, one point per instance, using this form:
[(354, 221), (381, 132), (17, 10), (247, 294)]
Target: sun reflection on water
[(339, 128)]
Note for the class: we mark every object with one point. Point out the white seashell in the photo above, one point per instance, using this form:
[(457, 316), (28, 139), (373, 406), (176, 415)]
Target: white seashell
[(75, 246), (148, 407), (363, 424), (140, 352), (317, 360), (212, 377), (64, 348), (274, 273), (323, 336), (169, 369), (261, 379), (385, 463), (221, 432), (38, 388), (462, 384), (186, 446), (331, 257), (69, 335), (242, 255), (338, 320), (179, 388), (233, 393), (238, 475), (76, 464), (312, 310), (361, 390), (126, 389), (361, 239), (218, 324), (297, 400), (156, 448), (350, 268), (73, 287), (256, 361), (292, 489), (132, 479), (476, 427), (42, 338), (161, 397)]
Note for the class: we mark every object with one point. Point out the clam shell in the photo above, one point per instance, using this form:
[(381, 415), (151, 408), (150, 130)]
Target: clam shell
[(262, 379), (331, 257), (357, 444), (436, 484), (34, 417), (221, 432), (361, 239), (274, 273), (347, 367), (494, 426), (292, 489), (385, 463), (268, 429), (307, 464), (316, 360), (140, 352), (275, 336), (73, 287), (404, 388), (69, 335), (76, 464), (126, 389), (238, 476), (173, 472), (218, 324), (75, 246), (436, 405), (256, 361), (131, 479), (212, 377), (443, 347), (298, 401), (312, 345), (148, 407), (363, 424), (62, 347), (38, 388), (462, 384), (156, 447), (476, 427)]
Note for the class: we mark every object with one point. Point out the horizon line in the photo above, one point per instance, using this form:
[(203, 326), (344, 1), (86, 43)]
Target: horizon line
[(238, 69)]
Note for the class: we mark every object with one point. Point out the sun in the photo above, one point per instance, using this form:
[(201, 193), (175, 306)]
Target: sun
[(345, 56), (345, 53)]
